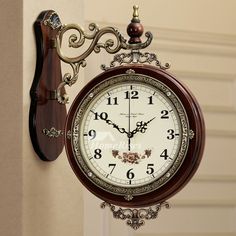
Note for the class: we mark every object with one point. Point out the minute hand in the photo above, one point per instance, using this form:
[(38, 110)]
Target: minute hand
[(141, 127)]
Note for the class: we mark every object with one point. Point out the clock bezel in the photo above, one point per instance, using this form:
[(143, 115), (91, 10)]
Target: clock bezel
[(190, 162), (130, 77)]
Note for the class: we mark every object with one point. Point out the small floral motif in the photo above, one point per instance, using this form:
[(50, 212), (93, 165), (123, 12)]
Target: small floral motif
[(191, 134), (128, 197), (131, 157), (52, 133), (130, 71), (147, 153), (115, 153)]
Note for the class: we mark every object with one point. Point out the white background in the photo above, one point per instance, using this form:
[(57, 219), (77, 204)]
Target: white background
[(198, 38)]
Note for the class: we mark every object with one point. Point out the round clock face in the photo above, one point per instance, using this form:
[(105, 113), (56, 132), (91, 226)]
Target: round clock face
[(131, 133), (127, 135)]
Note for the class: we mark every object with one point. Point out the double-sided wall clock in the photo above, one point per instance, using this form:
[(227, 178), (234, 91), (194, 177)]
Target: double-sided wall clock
[(134, 135)]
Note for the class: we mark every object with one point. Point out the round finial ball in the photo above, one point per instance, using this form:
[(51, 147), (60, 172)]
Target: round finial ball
[(135, 28)]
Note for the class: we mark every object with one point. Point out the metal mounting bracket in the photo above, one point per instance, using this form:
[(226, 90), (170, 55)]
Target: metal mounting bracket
[(48, 98)]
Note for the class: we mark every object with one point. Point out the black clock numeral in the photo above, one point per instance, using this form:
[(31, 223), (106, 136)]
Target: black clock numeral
[(131, 95), (97, 153), (91, 134), (150, 100), (130, 174), (102, 116), (112, 101), (112, 167), (171, 133), (165, 114), (164, 154), (150, 169)]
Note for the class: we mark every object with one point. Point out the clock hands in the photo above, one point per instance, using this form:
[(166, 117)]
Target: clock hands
[(141, 126)]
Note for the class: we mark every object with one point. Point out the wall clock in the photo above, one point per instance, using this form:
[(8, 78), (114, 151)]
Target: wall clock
[(134, 135)]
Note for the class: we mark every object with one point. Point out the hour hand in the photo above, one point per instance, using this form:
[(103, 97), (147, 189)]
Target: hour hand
[(109, 122), (121, 130)]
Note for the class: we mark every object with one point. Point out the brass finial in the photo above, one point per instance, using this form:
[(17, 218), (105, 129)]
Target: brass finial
[(135, 14), (135, 28)]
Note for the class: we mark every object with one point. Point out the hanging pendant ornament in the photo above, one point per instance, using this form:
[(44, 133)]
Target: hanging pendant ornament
[(135, 218), (134, 135)]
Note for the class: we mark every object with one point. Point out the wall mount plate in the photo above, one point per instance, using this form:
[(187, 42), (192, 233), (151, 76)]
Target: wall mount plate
[(47, 116)]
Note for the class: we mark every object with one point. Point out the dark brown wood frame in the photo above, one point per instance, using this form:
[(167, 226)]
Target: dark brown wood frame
[(45, 111), (193, 156)]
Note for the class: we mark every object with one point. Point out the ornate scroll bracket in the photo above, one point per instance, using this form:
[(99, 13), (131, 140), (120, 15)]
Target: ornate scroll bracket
[(111, 46), (135, 218), (94, 38)]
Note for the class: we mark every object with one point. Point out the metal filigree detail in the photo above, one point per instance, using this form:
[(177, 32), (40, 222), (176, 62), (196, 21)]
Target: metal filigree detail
[(135, 218), (53, 21), (135, 56), (69, 134), (53, 132), (76, 41), (191, 134)]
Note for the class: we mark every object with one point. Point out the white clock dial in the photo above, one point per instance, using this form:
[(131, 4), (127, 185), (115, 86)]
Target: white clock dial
[(130, 134)]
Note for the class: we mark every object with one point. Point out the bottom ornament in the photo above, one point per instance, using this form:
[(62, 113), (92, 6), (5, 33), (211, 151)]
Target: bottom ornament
[(135, 217)]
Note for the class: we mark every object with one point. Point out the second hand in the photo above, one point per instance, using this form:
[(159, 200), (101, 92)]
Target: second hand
[(129, 126)]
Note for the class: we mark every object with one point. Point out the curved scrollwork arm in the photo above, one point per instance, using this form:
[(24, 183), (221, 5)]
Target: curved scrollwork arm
[(76, 41)]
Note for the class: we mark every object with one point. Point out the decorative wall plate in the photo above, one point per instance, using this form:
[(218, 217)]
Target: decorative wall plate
[(46, 129)]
